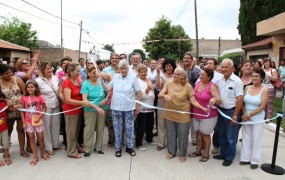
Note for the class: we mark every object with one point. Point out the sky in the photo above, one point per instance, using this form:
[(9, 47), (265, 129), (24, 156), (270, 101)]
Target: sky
[(123, 23)]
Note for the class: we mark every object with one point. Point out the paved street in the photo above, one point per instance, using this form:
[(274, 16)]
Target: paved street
[(147, 165)]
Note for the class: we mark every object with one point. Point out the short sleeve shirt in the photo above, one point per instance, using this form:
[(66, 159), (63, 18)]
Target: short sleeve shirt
[(230, 90), (180, 102), (32, 103), (124, 92), (75, 94), (95, 94)]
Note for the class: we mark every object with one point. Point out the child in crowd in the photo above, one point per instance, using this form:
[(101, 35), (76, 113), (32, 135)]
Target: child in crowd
[(32, 121), (4, 137)]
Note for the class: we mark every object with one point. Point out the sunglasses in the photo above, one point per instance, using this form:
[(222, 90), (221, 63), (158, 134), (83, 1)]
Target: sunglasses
[(26, 63)]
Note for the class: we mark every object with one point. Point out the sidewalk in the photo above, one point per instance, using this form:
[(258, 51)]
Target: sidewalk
[(147, 165)]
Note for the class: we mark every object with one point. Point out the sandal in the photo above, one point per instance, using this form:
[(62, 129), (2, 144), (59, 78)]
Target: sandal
[(45, 157), (131, 151), (182, 159), (170, 156), (34, 162), (29, 150), (194, 154), (204, 158), (118, 153), (25, 154), (76, 156), (8, 161), (1, 163), (57, 149), (50, 153)]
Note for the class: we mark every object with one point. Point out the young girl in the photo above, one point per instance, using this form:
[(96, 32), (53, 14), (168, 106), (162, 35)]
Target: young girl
[(33, 100), (4, 137)]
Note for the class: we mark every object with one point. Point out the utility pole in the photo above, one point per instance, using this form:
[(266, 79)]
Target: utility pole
[(61, 40), (80, 40), (219, 48), (196, 26)]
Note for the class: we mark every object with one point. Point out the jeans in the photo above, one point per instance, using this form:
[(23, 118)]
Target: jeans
[(228, 135)]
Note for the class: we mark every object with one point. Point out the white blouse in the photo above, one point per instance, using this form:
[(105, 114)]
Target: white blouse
[(48, 90)]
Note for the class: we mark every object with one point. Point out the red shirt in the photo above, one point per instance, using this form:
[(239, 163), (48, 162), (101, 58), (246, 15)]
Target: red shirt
[(3, 118), (75, 94)]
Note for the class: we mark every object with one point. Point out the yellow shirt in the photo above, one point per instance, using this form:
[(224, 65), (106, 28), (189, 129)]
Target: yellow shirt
[(180, 102)]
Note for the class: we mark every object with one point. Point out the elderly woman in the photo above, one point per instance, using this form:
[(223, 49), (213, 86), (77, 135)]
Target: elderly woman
[(168, 68), (145, 119), (206, 94), (13, 88), (48, 84), (271, 75), (73, 101), (255, 98), (126, 90), (178, 94), (93, 91)]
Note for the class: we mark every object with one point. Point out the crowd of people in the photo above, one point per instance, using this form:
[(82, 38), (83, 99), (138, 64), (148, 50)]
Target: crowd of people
[(80, 98)]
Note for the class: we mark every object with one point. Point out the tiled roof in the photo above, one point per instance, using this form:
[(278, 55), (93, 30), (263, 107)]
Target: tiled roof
[(12, 46), (262, 44)]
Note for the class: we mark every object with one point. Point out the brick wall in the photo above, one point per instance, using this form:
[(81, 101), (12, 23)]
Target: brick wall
[(54, 54)]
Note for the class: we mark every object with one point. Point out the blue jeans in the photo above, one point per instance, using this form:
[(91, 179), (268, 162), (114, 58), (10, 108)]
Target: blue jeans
[(228, 136)]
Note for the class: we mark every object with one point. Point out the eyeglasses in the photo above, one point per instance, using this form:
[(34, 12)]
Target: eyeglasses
[(177, 74), (255, 76)]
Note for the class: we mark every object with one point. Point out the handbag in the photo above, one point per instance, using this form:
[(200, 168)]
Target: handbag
[(37, 120), (277, 84)]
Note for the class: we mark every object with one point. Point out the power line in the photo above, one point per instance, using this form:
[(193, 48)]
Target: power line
[(182, 10), (35, 15), (49, 13)]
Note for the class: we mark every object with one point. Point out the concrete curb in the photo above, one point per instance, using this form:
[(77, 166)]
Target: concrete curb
[(272, 127)]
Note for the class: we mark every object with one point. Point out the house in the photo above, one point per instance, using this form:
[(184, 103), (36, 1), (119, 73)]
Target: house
[(11, 52), (209, 48), (274, 45)]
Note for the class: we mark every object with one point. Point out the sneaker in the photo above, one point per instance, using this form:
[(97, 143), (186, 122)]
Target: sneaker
[(86, 154), (141, 148), (216, 150)]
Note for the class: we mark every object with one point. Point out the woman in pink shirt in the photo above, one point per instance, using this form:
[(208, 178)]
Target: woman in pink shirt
[(206, 93)]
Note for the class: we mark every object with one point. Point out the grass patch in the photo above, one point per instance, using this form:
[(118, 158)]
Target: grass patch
[(278, 108)]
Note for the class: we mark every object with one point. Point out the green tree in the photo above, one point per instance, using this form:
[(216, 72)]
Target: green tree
[(163, 31), (138, 51), (19, 32), (109, 47), (253, 11)]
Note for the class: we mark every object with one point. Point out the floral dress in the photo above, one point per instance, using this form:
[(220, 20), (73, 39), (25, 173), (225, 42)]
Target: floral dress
[(15, 95)]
